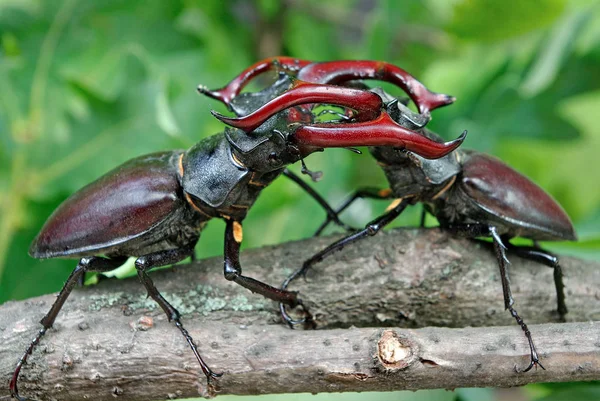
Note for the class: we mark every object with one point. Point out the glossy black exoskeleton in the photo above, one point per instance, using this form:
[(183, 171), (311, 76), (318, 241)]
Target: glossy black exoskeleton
[(154, 207)]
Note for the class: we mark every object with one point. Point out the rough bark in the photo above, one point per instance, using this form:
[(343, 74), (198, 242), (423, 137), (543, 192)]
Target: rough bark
[(111, 341)]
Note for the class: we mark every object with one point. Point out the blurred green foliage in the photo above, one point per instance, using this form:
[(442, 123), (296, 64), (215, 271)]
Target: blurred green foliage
[(85, 86)]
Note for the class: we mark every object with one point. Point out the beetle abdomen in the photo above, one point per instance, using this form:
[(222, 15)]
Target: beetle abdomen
[(119, 206), (516, 200)]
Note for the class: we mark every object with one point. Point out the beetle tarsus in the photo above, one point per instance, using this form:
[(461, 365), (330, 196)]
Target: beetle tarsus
[(307, 320), (315, 176)]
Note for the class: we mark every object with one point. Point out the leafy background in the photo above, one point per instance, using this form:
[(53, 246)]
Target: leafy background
[(85, 86)]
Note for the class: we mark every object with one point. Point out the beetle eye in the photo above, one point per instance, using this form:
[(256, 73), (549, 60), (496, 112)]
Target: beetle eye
[(273, 158)]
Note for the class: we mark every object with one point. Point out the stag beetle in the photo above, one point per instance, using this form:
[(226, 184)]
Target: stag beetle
[(471, 193), (153, 207)]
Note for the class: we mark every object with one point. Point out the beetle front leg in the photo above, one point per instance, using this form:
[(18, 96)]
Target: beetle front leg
[(163, 258), (371, 229), (233, 271), (87, 264)]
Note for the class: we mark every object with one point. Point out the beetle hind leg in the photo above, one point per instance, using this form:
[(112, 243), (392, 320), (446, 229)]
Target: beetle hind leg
[(539, 255), (163, 258), (500, 250), (86, 264)]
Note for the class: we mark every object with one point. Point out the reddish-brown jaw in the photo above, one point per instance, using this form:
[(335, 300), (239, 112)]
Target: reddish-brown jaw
[(366, 104), (336, 73), (339, 72), (383, 131), (233, 88)]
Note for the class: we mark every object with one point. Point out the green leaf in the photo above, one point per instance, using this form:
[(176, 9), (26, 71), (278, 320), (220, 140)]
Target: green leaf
[(100, 70), (483, 20), (164, 115), (582, 391), (556, 48)]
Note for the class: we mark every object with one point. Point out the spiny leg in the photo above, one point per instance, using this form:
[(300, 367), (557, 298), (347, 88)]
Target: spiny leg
[(544, 257), (233, 272), (87, 264), (372, 193), (371, 229), (331, 214), (163, 258), (483, 230), (503, 262)]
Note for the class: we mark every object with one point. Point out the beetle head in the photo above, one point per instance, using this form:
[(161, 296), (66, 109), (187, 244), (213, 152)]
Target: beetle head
[(435, 171), (264, 150)]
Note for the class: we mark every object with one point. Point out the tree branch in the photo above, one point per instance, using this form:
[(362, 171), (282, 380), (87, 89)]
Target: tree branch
[(110, 340)]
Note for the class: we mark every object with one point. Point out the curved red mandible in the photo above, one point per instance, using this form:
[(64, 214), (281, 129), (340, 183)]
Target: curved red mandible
[(335, 73), (383, 131), (338, 72), (367, 104), (233, 88)]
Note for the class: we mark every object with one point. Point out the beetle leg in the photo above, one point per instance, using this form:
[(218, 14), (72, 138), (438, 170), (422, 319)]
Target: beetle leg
[(331, 214), (371, 229), (483, 230), (233, 272), (162, 258), (503, 262), (372, 193), (544, 257), (87, 264)]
